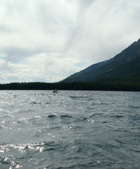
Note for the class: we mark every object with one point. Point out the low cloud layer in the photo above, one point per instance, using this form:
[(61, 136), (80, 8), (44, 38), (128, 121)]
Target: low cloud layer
[(50, 40)]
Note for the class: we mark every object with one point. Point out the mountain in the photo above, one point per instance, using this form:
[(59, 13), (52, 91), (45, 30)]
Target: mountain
[(82, 76), (123, 67)]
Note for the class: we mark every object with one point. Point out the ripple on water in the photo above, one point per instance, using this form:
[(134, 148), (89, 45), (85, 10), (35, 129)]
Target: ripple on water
[(73, 129)]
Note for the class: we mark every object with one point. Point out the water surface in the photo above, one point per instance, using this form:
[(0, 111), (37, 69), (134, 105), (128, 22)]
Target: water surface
[(71, 129)]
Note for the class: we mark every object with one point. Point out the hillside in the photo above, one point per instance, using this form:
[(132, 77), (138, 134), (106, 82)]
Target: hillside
[(82, 76), (123, 67)]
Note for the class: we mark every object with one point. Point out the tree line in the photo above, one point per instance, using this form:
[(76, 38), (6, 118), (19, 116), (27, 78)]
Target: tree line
[(109, 86)]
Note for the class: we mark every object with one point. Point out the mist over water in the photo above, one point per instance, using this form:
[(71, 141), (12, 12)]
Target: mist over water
[(71, 129)]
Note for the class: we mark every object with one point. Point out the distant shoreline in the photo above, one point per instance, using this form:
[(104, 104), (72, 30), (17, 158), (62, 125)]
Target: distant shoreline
[(99, 86)]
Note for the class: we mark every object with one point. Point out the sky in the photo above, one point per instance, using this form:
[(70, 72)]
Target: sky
[(49, 40)]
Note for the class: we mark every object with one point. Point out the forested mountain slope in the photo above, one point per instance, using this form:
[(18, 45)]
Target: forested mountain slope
[(123, 67)]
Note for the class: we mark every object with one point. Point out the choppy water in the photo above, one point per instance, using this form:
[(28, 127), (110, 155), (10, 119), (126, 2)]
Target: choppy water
[(71, 129)]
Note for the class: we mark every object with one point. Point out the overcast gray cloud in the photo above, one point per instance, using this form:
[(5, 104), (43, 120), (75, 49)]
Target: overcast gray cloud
[(48, 40)]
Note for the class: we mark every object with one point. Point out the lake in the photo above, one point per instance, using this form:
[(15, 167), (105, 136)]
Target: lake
[(69, 130)]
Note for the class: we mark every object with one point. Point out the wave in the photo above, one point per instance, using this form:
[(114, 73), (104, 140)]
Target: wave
[(117, 116), (133, 106), (59, 116), (78, 97)]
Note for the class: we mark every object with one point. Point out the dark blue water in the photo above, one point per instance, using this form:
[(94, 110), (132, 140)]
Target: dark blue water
[(71, 129)]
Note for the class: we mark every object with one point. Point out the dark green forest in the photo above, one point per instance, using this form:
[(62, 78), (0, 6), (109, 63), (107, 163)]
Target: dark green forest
[(107, 86)]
